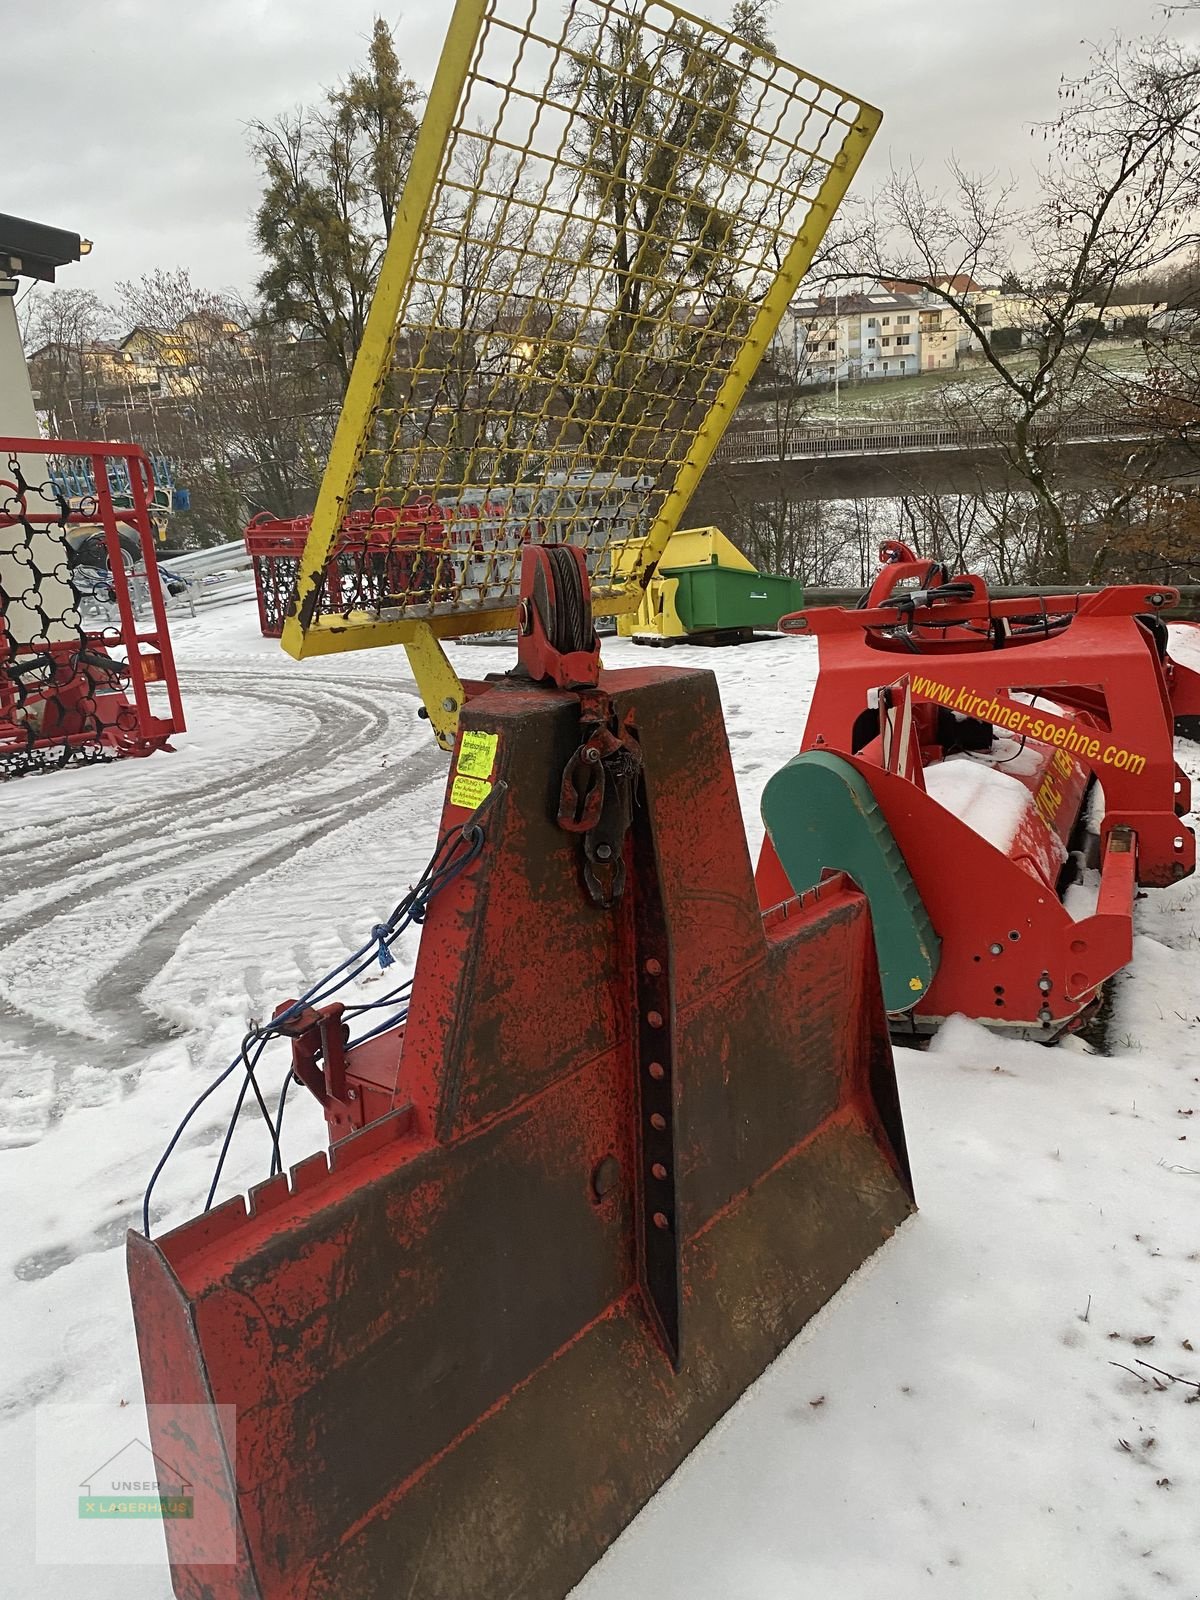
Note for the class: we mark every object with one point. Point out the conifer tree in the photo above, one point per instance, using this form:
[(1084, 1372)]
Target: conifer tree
[(332, 176)]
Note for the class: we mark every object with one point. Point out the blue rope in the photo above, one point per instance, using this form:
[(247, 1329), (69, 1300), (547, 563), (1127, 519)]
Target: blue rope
[(400, 1016), (447, 862)]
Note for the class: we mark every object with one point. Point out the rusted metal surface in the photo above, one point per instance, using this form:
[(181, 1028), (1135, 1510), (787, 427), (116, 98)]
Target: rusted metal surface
[(458, 1365), (658, 1200)]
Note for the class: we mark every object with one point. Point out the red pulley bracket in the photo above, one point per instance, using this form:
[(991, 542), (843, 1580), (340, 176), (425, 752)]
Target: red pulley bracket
[(319, 1039), (556, 640)]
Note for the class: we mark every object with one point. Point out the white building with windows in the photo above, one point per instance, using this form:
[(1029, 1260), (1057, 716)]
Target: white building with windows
[(841, 337), (945, 335)]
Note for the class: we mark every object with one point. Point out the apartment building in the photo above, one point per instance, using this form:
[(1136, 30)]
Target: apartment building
[(855, 335), (895, 328), (945, 334)]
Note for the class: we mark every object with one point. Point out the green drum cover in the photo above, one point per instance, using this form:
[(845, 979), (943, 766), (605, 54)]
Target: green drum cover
[(822, 815)]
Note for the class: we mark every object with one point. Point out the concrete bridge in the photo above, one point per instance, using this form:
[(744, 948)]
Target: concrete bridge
[(874, 459)]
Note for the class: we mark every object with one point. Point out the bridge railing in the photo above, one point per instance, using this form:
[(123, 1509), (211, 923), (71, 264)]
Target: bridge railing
[(894, 438)]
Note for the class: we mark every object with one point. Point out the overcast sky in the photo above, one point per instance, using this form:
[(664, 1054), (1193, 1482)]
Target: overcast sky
[(126, 118)]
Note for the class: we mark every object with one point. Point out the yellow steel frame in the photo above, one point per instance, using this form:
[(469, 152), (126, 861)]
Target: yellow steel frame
[(615, 354)]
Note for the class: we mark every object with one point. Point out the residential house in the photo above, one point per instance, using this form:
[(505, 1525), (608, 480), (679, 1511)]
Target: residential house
[(942, 337), (1133, 318), (1028, 315), (91, 373), (175, 358), (96, 361), (1169, 321)]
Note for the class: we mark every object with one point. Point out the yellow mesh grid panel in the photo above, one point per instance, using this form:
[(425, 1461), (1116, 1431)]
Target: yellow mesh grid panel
[(608, 210)]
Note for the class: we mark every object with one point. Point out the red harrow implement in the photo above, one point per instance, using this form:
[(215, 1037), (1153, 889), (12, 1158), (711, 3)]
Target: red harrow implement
[(70, 690), (956, 751), (379, 552), (440, 549)]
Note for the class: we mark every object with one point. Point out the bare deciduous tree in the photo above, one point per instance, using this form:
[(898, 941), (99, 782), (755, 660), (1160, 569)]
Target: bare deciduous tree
[(1118, 199)]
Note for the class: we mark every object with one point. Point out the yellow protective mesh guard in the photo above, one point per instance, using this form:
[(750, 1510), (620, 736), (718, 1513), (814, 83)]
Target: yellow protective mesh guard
[(607, 213)]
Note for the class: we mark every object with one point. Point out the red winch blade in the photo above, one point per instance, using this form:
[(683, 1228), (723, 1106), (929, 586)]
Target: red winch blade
[(633, 1150)]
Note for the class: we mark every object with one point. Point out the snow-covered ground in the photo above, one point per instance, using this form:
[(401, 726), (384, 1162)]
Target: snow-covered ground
[(967, 1419)]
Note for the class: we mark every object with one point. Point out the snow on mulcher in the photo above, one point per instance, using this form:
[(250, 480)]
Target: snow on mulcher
[(633, 1131), (949, 762)]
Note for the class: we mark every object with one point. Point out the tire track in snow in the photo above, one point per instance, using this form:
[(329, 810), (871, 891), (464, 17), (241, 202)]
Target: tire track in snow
[(345, 724), (259, 817), (287, 689), (115, 999), (145, 855)]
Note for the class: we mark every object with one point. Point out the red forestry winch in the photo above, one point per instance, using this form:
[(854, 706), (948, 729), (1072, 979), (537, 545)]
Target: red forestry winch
[(948, 763), (634, 1132)]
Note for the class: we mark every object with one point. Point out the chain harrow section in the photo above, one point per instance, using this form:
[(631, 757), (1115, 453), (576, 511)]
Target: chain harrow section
[(70, 693), (608, 210)]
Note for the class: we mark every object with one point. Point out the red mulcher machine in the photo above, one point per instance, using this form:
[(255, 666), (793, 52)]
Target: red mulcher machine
[(953, 762)]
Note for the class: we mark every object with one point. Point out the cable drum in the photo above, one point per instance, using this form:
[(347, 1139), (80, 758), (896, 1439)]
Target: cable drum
[(572, 622)]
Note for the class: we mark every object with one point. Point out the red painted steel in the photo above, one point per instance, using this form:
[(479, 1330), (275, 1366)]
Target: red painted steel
[(92, 689), (556, 638), (1076, 685), (618, 1155), (375, 555)]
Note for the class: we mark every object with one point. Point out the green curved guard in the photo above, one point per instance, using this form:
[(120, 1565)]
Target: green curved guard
[(821, 814)]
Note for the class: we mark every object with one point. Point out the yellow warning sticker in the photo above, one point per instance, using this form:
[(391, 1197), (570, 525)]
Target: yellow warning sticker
[(469, 792), (477, 753)]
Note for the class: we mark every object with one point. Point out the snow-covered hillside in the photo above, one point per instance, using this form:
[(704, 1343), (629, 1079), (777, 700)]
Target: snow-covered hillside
[(967, 1419)]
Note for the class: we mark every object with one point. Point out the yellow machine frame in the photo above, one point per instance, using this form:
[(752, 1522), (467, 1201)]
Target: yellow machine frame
[(775, 171)]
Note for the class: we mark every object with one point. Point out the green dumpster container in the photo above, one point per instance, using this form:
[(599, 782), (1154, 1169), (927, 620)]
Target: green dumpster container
[(724, 599)]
